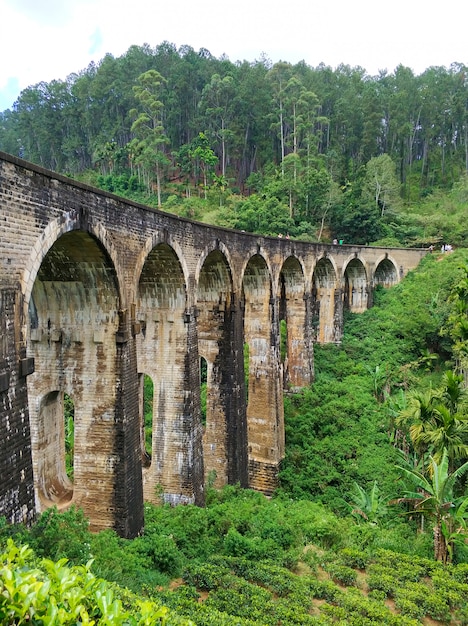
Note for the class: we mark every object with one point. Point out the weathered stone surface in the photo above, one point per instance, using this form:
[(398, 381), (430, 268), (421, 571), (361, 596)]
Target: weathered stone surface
[(96, 292)]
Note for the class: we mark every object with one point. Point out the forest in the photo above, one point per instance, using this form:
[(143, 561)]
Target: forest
[(317, 152), (369, 524)]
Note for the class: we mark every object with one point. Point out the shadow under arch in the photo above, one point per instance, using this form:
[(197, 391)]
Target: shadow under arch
[(326, 302), (220, 345), (355, 286), (164, 353), (386, 273), (73, 320), (70, 222)]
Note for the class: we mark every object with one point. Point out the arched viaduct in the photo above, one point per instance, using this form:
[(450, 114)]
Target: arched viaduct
[(98, 293)]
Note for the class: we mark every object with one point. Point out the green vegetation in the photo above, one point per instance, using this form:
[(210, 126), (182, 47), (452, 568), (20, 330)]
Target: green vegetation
[(315, 152)]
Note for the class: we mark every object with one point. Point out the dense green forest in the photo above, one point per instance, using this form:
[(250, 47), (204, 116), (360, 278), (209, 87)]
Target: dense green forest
[(313, 151)]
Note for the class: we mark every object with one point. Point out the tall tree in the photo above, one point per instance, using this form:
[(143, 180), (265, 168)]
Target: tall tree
[(217, 104), (148, 126)]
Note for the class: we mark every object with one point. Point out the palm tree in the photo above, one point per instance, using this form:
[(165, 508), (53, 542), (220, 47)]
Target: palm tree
[(437, 420), (435, 499)]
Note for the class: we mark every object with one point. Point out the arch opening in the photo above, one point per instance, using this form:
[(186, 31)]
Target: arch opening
[(355, 291), (54, 481), (324, 305), (69, 422), (146, 406), (203, 388), (72, 324), (386, 274)]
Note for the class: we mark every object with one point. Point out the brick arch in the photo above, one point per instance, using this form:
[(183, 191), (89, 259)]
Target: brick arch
[(150, 244), (52, 233), (224, 252), (355, 286), (256, 258), (162, 279), (326, 302), (74, 306), (386, 272)]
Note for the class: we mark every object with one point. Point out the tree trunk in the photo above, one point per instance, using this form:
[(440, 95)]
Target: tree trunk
[(440, 548)]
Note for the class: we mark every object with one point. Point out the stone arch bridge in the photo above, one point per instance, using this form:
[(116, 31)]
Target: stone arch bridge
[(98, 293)]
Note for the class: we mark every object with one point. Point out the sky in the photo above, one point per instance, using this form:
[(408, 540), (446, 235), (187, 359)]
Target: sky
[(43, 40)]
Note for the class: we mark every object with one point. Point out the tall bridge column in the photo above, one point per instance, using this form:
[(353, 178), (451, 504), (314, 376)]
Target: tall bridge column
[(16, 476), (294, 310), (265, 413), (167, 351)]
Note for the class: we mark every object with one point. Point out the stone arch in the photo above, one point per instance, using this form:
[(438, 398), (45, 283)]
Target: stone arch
[(265, 418), (55, 229), (298, 359), (158, 238), (73, 317), (222, 248), (386, 273), (163, 353), (216, 331), (326, 302), (355, 286)]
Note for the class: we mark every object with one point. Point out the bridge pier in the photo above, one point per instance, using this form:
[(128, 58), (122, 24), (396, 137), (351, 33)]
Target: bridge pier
[(17, 503), (265, 411)]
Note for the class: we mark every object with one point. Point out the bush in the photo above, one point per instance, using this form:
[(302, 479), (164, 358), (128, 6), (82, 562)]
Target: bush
[(65, 534)]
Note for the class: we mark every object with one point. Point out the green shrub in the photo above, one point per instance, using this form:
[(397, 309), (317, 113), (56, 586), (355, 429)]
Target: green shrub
[(409, 608), (64, 534), (341, 574), (354, 558)]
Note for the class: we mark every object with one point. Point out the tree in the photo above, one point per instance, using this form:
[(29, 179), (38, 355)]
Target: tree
[(202, 154), (381, 185), (435, 499), (148, 126), (279, 76), (217, 103), (458, 322), (437, 422)]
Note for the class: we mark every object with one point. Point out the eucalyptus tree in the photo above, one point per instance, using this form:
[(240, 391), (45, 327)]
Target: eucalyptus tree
[(279, 76), (217, 105), (252, 145), (150, 139), (381, 184)]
